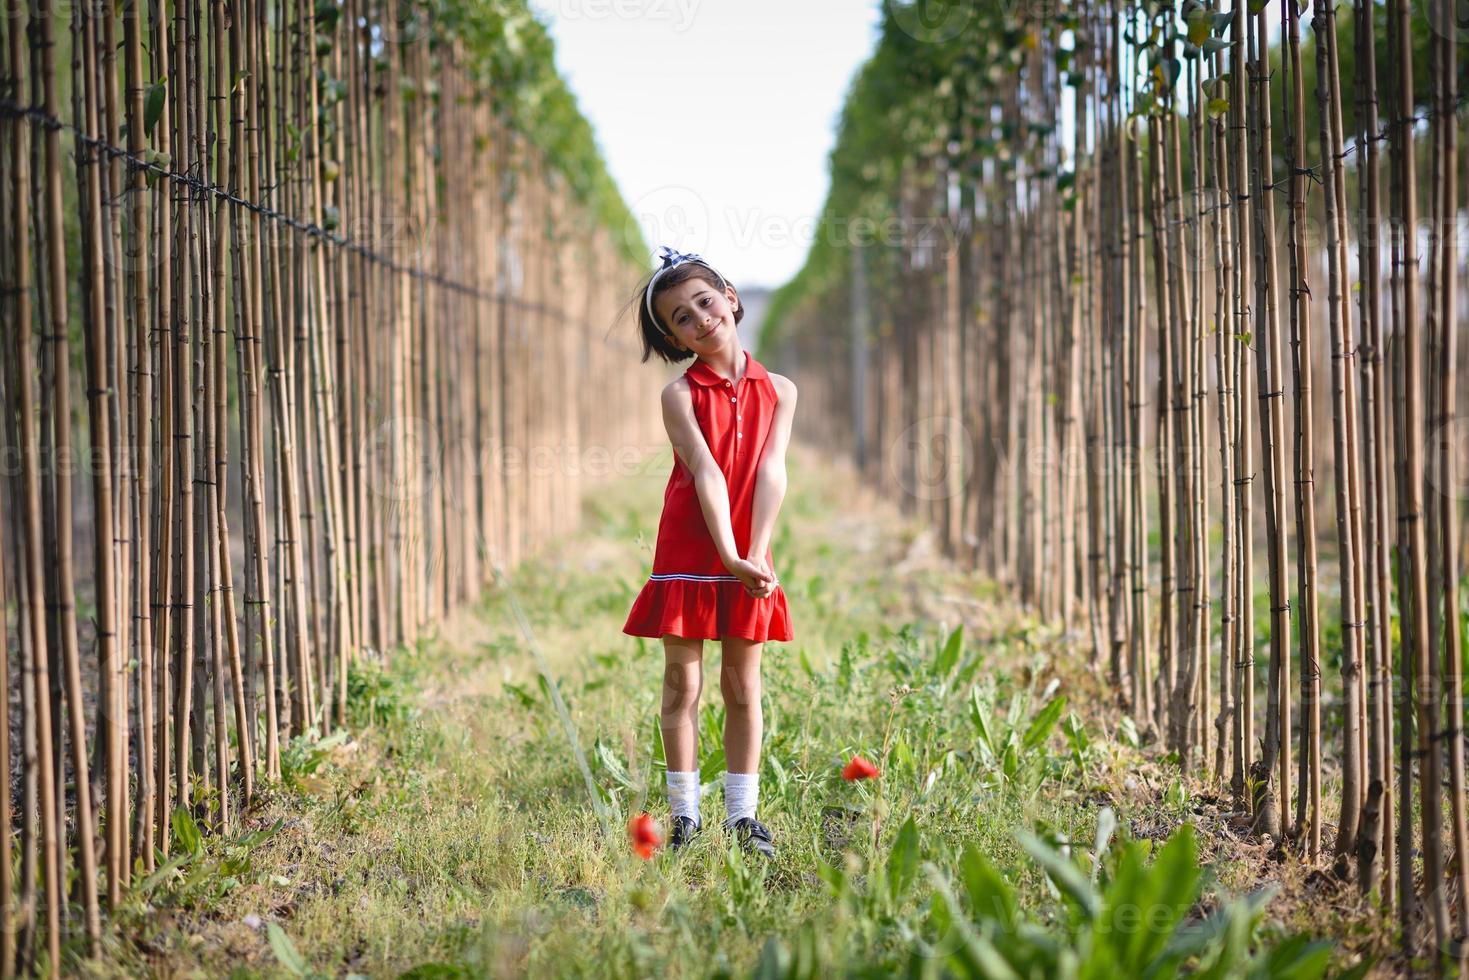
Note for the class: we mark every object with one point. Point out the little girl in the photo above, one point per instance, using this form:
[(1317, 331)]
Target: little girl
[(729, 421)]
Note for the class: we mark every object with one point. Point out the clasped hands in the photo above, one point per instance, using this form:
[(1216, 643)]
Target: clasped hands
[(757, 575)]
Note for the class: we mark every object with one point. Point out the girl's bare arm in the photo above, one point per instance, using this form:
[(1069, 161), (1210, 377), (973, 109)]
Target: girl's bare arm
[(770, 478), (688, 441)]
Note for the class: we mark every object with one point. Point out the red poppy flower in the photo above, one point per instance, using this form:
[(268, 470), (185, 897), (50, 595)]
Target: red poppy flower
[(644, 833), (858, 768)]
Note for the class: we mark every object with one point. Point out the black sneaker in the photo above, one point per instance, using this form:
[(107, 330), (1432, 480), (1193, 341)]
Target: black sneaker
[(683, 830), (753, 835)]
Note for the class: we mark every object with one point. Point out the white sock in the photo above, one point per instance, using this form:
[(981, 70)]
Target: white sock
[(741, 794), (683, 793)]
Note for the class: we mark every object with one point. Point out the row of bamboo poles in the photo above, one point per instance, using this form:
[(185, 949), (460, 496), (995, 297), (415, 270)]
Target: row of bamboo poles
[(1075, 365), (333, 332)]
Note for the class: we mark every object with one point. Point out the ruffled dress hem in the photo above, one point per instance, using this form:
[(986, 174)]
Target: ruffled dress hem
[(681, 607)]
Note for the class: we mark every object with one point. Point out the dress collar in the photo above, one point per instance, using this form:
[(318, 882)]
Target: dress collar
[(705, 375)]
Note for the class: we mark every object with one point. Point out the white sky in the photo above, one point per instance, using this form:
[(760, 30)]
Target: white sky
[(741, 183)]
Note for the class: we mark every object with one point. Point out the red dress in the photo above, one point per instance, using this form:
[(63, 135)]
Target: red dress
[(690, 593)]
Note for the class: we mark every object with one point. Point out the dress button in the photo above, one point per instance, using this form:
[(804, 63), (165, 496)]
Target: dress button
[(734, 399)]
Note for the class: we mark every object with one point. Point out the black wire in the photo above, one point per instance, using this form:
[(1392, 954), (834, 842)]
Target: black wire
[(9, 107), (1313, 172)]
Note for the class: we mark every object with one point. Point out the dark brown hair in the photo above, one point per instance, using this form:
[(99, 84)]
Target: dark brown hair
[(655, 341)]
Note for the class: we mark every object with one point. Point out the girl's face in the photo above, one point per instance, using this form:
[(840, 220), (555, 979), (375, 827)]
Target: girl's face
[(699, 315)]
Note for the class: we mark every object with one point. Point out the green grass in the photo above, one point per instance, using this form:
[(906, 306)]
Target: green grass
[(455, 835)]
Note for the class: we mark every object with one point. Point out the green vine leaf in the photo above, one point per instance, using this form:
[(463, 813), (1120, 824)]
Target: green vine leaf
[(153, 101)]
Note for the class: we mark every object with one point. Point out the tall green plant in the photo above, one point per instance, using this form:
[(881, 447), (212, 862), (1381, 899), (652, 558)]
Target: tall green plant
[(1123, 916)]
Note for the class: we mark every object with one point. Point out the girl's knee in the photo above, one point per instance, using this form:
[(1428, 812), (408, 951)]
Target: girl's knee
[(740, 687), (682, 681)]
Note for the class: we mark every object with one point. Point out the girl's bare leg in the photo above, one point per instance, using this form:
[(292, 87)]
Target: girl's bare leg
[(739, 681), (683, 681)]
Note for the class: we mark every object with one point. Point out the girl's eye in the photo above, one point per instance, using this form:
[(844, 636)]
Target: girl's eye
[(704, 302)]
